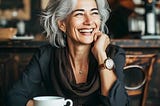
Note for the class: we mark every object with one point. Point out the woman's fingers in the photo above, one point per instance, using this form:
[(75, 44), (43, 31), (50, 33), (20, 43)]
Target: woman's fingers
[(97, 35)]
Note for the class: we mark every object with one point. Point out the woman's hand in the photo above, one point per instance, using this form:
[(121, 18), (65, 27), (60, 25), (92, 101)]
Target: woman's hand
[(107, 77), (101, 42)]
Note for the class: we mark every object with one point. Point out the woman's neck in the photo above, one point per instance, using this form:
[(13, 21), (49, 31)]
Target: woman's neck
[(79, 56), (79, 59), (78, 51)]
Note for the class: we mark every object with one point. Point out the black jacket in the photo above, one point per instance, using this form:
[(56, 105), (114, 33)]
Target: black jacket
[(49, 73)]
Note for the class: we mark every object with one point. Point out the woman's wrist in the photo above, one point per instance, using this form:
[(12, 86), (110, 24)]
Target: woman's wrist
[(101, 58)]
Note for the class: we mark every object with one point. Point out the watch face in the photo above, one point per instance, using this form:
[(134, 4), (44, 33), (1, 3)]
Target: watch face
[(109, 64)]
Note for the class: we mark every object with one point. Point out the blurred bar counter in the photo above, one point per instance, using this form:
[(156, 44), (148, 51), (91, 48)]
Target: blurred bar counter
[(16, 54), (124, 43), (137, 43), (22, 43)]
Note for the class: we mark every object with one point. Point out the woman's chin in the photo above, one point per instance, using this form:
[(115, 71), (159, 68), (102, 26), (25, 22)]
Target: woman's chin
[(88, 42)]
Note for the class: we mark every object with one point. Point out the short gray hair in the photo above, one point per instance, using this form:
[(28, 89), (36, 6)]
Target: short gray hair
[(59, 10)]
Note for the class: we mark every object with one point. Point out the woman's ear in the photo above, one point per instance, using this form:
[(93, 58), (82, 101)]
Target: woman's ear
[(62, 25)]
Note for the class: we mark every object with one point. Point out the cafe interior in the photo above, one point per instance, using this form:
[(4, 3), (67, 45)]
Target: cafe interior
[(133, 25)]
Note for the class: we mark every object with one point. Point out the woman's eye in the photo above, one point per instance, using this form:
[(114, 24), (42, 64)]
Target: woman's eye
[(78, 14), (95, 13)]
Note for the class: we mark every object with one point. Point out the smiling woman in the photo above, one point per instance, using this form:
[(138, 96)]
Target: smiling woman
[(69, 65), (11, 9)]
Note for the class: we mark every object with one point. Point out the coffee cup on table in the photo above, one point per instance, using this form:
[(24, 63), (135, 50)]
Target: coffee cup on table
[(51, 101)]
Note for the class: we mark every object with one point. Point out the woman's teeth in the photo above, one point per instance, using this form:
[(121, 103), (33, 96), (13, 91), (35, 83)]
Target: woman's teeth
[(86, 30)]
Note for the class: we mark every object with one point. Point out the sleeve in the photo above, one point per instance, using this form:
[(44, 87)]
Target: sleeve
[(117, 95), (29, 84)]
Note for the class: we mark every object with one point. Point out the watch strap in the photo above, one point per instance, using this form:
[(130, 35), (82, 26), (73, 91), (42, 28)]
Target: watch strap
[(101, 67)]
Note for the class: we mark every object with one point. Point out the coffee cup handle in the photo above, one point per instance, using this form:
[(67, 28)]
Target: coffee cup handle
[(70, 101)]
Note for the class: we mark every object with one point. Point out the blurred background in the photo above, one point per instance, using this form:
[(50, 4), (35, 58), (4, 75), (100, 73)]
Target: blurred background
[(133, 25)]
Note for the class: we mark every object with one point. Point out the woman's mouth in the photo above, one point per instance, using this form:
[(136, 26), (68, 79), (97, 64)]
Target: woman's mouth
[(86, 30)]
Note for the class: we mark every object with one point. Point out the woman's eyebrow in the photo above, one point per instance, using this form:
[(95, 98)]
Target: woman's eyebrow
[(78, 10), (84, 10), (94, 9)]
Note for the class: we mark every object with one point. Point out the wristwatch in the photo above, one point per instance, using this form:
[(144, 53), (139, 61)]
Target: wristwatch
[(108, 64)]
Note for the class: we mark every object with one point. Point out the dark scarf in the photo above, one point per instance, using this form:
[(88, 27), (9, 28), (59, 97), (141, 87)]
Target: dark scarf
[(64, 80)]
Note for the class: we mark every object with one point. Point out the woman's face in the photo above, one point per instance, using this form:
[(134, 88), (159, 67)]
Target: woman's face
[(83, 22)]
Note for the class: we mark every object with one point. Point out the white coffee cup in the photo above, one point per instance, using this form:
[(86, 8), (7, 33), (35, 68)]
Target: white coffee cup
[(51, 101)]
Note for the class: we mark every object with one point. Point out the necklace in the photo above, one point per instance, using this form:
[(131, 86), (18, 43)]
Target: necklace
[(80, 72)]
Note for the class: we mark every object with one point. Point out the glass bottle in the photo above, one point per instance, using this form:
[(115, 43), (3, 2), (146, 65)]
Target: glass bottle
[(150, 17)]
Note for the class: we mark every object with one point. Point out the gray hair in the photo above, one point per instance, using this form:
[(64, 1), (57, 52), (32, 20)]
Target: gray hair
[(59, 10)]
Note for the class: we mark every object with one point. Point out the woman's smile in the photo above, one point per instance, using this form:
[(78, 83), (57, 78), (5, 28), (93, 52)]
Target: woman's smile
[(86, 31)]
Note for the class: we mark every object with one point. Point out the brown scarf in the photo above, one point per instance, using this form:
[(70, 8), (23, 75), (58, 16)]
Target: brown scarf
[(63, 78)]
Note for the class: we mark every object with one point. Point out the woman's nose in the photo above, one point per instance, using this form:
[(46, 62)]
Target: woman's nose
[(88, 19)]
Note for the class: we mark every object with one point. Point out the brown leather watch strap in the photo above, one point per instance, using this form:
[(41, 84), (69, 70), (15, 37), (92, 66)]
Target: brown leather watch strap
[(101, 67)]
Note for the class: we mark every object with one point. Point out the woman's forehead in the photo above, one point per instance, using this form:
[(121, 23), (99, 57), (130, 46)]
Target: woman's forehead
[(85, 4)]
